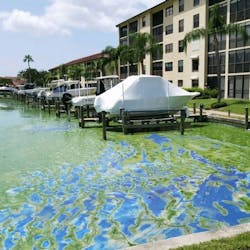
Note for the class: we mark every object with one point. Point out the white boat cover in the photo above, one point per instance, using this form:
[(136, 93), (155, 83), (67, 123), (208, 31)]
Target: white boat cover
[(143, 93), (83, 100)]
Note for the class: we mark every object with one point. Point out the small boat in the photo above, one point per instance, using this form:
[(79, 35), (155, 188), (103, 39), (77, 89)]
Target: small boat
[(7, 91), (143, 93), (103, 83)]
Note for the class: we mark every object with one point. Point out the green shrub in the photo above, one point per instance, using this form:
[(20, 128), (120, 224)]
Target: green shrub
[(212, 93), (217, 105), (204, 93)]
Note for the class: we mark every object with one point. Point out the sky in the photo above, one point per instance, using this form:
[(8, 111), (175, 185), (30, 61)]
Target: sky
[(54, 32)]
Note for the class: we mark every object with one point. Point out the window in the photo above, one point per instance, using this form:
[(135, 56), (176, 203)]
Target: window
[(181, 46), (143, 22), (157, 18), (169, 11), (196, 2), (195, 83), (239, 61), (238, 87), (157, 68), (124, 42), (123, 31), (212, 66), (221, 40), (212, 83), (169, 66), (236, 39), (133, 70), (133, 27), (181, 25), (169, 48), (181, 5), (169, 29), (180, 83), (239, 10), (124, 72), (180, 66), (196, 22), (157, 54), (158, 34), (195, 64)]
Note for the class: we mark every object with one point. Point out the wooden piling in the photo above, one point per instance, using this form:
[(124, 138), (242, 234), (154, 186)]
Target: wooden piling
[(194, 108), (183, 115), (68, 111), (81, 115), (246, 118), (49, 106), (58, 113), (201, 113), (104, 132)]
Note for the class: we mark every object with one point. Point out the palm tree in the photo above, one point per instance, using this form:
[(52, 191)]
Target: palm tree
[(112, 56), (127, 55), (216, 26), (28, 58), (141, 45)]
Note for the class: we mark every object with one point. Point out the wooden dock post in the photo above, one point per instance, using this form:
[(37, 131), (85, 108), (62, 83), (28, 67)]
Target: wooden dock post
[(58, 114), (183, 114), (201, 112), (49, 106), (81, 116), (104, 132), (68, 111), (246, 118), (87, 107), (194, 108)]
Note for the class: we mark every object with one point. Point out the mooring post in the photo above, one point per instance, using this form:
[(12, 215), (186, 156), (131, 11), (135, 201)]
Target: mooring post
[(246, 118), (48, 106), (58, 109), (194, 108), (183, 114), (104, 132), (81, 122), (201, 111), (87, 107), (68, 111)]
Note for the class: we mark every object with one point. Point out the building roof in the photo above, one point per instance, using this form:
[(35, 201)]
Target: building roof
[(141, 13), (81, 60)]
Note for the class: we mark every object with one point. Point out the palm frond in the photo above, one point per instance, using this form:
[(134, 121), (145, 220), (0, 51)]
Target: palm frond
[(194, 35)]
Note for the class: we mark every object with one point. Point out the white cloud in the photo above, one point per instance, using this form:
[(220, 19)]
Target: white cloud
[(64, 15)]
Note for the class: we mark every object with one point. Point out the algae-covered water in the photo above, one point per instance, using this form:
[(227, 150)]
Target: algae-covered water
[(63, 187)]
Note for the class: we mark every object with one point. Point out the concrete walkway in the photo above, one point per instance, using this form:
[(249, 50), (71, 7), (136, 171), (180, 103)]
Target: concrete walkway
[(213, 113), (191, 239)]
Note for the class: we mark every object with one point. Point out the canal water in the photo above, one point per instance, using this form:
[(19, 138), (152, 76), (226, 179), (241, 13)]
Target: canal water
[(63, 187)]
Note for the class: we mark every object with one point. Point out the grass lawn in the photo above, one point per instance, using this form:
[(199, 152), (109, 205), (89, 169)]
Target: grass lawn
[(240, 242), (236, 106)]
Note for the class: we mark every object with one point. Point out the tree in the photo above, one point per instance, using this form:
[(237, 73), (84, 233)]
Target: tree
[(30, 73), (28, 59), (111, 56), (127, 56), (142, 44), (216, 26), (74, 72)]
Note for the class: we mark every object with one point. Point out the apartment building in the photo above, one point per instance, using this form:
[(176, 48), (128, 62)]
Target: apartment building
[(168, 23)]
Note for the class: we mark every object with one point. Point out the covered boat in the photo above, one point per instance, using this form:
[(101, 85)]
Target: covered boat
[(143, 93)]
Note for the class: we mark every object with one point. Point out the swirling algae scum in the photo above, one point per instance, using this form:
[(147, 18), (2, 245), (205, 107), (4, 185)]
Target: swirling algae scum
[(157, 188)]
